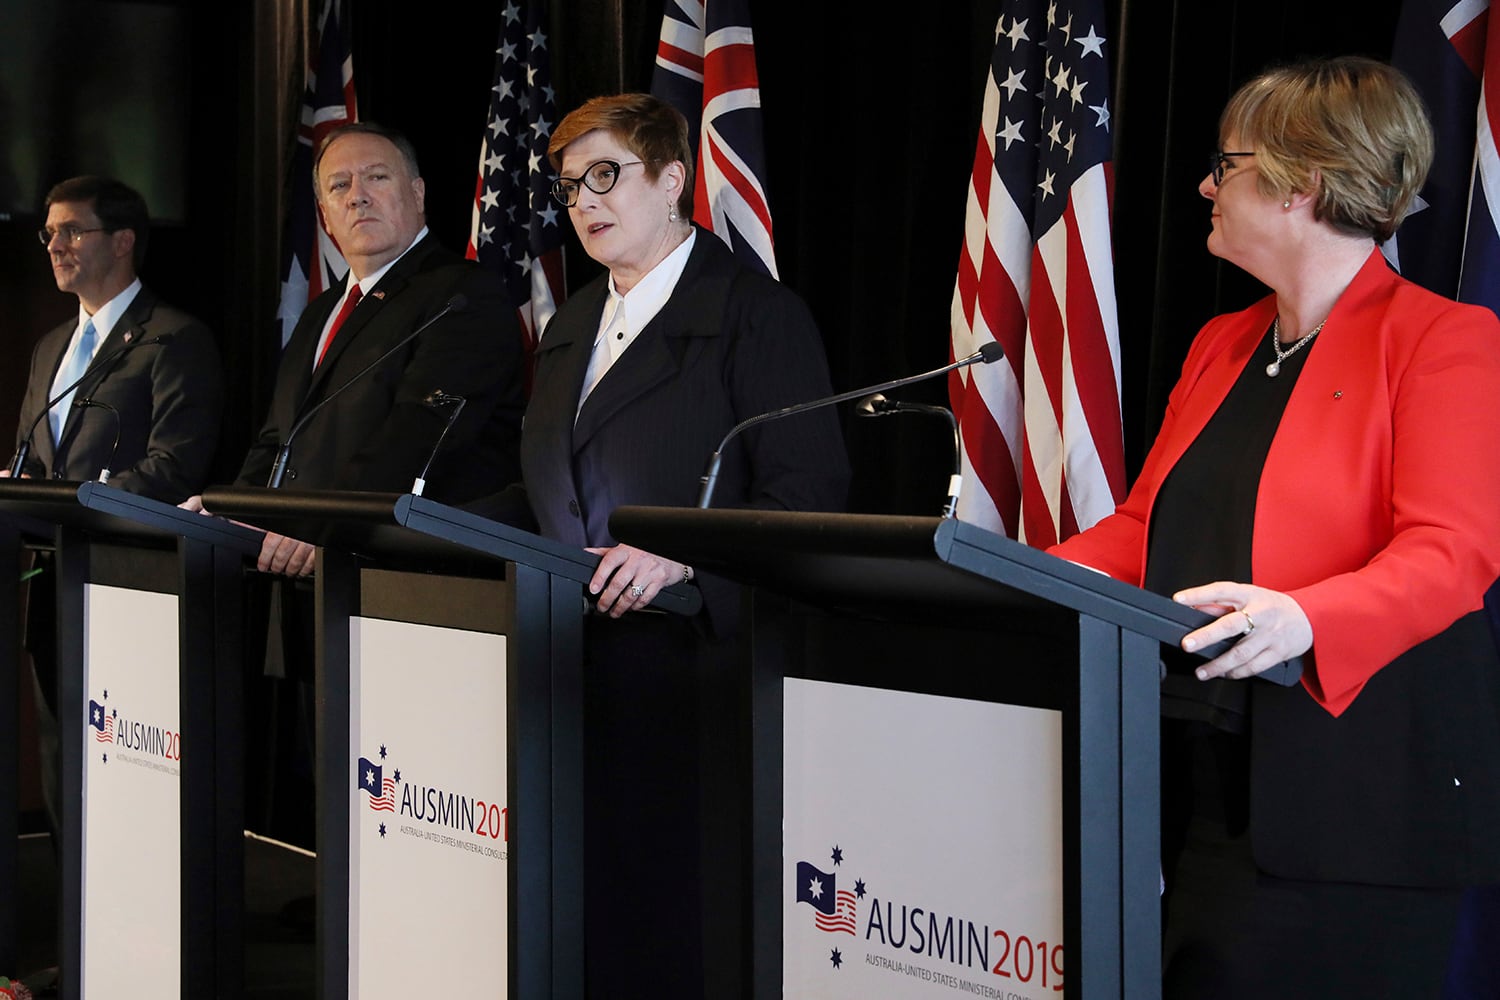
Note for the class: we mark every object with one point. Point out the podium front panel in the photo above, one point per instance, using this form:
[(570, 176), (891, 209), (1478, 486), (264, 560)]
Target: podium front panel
[(923, 846), (428, 833), (132, 944), (448, 832)]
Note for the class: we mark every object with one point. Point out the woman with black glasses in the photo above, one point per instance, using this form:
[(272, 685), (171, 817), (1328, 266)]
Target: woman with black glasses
[(1324, 483), (638, 377)]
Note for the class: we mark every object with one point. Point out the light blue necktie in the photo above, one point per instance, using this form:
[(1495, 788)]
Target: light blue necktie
[(71, 372)]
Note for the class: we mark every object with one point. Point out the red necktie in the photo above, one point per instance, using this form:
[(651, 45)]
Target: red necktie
[(338, 321)]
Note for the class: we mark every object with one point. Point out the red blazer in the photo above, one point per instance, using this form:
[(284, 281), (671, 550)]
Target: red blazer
[(1379, 504)]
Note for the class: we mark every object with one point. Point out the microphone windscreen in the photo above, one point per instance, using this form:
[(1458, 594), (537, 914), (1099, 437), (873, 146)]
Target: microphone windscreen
[(458, 302), (991, 351)]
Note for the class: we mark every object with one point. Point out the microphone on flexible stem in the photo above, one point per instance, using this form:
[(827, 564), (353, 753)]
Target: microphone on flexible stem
[(90, 403), (102, 367), (987, 353), (876, 405), (284, 453), (434, 399)]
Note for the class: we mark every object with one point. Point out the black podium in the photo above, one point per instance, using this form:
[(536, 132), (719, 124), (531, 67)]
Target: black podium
[(909, 615), (150, 740), (389, 565)]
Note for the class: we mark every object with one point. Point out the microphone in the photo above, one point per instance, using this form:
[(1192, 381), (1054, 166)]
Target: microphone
[(101, 367), (438, 397), (284, 453), (876, 405), (90, 402), (987, 353)]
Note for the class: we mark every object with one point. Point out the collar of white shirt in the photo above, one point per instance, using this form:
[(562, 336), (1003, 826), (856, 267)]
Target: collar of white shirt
[(630, 313), (369, 282), (108, 314), (625, 316)]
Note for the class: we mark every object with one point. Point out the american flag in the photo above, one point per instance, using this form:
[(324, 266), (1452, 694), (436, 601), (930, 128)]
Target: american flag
[(517, 227), (1043, 450), (313, 261), (1450, 243), (844, 918), (705, 68)]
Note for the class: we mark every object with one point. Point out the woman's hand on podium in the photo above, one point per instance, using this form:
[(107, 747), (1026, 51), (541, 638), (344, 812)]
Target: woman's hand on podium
[(1272, 628), (628, 578)]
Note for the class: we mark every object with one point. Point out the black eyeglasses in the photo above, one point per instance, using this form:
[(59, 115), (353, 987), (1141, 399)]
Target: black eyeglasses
[(70, 234), (1217, 162), (599, 178)]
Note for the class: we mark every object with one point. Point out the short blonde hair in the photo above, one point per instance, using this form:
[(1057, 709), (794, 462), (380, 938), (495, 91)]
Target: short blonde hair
[(647, 126), (1352, 128)]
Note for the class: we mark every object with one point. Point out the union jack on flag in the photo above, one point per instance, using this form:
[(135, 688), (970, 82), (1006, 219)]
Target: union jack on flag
[(1450, 242), (312, 260), (1043, 451), (705, 68), (517, 228)]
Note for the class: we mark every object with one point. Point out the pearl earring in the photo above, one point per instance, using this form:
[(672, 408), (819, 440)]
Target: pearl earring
[(672, 214), (1287, 203)]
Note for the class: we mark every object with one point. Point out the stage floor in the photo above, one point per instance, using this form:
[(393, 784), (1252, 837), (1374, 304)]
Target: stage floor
[(279, 882)]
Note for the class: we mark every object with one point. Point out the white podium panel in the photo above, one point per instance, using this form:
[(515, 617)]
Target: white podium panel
[(428, 811), (132, 860), (922, 846)]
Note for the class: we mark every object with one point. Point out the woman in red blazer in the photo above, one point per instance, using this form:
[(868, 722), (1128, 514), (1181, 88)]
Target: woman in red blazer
[(1325, 482)]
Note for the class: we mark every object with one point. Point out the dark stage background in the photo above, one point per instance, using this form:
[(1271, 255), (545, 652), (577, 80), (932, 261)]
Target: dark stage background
[(871, 123)]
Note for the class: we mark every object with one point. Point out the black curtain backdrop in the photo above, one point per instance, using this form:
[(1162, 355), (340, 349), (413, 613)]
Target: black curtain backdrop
[(871, 124)]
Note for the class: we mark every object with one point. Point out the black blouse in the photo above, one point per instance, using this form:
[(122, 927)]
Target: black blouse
[(1204, 518)]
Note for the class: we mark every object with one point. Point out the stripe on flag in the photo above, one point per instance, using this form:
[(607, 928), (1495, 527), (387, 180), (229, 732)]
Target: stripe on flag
[(705, 68), (1043, 450)]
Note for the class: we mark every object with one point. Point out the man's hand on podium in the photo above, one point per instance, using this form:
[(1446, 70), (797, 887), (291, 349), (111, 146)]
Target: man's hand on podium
[(287, 556), (278, 553)]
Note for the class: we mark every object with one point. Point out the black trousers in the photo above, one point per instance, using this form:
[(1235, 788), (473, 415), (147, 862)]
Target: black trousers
[(665, 810), (1232, 931)]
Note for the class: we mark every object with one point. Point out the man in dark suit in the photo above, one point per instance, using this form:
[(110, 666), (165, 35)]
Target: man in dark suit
[(162, 397), (148, 408), (377, 434)]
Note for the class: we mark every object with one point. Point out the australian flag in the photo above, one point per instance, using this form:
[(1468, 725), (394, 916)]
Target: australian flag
[(312, 261), (1450, 243), (815, 887), (705, 68), (517, 228)]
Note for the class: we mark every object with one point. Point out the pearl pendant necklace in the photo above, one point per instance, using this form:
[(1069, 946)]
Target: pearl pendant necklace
[(1274, 368)]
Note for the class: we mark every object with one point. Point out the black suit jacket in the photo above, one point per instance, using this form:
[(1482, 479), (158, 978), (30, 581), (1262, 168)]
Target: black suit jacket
[(378, 434), (169, 398), (728, 344)]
